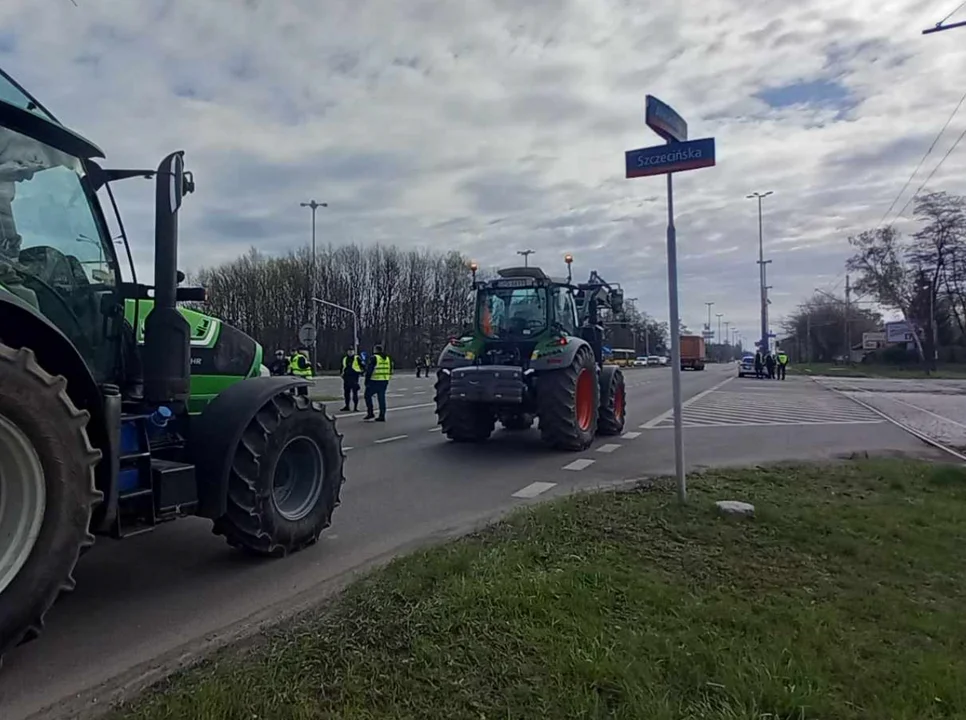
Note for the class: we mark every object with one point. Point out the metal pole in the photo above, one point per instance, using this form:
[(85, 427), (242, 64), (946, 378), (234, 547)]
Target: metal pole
[(761, 277), (672, 291), (708, 326), (848, 334), (933, 326), (343, 308), (526, 256), (313, 279)]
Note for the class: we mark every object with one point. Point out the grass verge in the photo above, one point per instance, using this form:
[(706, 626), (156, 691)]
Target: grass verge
[(843, 598), (943, 372)]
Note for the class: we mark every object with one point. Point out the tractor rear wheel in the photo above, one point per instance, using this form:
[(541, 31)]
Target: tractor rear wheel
[(613, 399), (567, 402), (285, 479), (47, 493), (461, 422)]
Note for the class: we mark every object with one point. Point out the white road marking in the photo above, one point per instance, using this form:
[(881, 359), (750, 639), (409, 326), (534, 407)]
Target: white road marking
[(419, 392), (389, 395), (346, 449), (670, 413), (402, 389), (436, 429), (608, 448), (579, 464), (391, 439), (630, 435), (391, 409), (533, 489)]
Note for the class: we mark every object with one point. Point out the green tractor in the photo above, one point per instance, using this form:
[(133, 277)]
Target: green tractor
[(119, 409), (535, 351)]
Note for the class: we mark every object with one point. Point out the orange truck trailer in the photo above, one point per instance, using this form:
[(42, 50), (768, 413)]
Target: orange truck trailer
[(692, 352)]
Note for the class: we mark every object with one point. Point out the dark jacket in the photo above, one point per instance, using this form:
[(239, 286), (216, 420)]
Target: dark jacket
[(279, 366)]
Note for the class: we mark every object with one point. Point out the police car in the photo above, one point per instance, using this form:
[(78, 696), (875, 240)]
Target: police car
[(746, 366)]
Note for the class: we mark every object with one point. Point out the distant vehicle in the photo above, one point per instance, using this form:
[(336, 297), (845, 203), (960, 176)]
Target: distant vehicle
[(663, 359), (640, 361), (653, 360), (620, 357), (746, 366), (692, 352)]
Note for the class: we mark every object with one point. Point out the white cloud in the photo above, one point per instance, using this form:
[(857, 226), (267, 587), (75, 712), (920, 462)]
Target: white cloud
[(491, 125)]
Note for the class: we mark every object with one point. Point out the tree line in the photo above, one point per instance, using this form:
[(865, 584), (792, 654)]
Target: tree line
[(921, 276), (411, 301)]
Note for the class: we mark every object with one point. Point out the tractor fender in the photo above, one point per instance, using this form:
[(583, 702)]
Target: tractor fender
[(561, 356), (23, 325), (214, 435)]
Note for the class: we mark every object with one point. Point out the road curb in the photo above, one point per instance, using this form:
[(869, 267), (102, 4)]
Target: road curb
[(901, 425)]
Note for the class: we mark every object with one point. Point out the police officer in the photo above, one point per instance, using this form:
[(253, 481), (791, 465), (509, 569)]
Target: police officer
[(280, 364), (782, 364), (378, 375), (299, 366), (351, 372), (419, 367)]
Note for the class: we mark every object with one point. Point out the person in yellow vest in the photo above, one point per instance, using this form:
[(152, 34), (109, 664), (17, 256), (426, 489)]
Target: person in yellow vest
[(782, 364), (300, 366), (351, 372), (378, 375)]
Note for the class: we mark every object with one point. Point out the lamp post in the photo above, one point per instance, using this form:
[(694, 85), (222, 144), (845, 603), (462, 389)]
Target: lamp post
[(313, 277), (526, 256), (761, 274), (343, 308)]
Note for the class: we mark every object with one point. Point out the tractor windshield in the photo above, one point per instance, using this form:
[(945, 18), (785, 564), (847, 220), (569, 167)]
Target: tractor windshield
[(54, 252), (512, 313)]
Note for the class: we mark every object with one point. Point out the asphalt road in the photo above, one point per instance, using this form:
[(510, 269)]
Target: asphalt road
[(144, 605)]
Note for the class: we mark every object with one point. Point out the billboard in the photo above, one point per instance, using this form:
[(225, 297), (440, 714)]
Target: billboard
[(900, 332), (873, 340)]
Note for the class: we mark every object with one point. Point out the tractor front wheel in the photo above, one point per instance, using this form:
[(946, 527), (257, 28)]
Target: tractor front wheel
[(461, 422), (285, 479), (567, 402), (613, 398), (47, 492)]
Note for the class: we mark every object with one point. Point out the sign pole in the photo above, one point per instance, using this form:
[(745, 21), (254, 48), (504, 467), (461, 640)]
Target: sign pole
[(677, 155), (672, 292)]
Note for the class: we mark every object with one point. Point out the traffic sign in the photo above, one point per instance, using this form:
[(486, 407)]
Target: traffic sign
[(663, 120), (670, 158), (307, 334)]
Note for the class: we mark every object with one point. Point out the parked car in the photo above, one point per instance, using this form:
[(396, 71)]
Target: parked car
[(640, 361), (653, 361), (746, 366)]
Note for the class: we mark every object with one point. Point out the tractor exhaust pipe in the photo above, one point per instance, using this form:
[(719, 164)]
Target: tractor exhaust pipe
[(167, 335)]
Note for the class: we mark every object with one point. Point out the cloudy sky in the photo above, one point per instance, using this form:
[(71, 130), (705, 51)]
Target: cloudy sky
[(490, 126)]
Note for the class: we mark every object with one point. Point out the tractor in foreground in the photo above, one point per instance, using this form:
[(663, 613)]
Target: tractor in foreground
[(535, 352), (119, 408)]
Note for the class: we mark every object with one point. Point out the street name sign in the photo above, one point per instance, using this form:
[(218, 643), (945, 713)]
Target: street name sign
[(670, 158), (663, 120)]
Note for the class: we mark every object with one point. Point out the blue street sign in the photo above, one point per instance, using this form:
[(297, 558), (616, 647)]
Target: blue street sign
[(670, 158), (606, 349), (663, 120)]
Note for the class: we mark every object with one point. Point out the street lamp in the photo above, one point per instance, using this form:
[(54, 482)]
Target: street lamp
[(761, 274), (343, 308), (315, 315), (526, 256), (932, 322), (708, 326)]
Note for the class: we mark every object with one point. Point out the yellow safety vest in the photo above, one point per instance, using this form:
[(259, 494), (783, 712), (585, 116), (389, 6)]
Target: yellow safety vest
[(293, 366), (383, 369), (356, 365), (782, 359)]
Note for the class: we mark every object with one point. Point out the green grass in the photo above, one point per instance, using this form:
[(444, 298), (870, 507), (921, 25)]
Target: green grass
[(943, 372), (844, 598)]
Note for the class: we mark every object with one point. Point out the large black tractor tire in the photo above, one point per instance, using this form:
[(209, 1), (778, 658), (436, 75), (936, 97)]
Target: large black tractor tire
[(517, 422), (47, 490), (567, 403), (613, 403), (461, 422), (286, 478)]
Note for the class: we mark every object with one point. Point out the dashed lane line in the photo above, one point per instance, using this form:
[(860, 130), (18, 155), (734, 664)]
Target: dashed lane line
[(419, 392), (579, 464), (533, 489), (380, 441), (608, 448), (435, 429), (630, 435)]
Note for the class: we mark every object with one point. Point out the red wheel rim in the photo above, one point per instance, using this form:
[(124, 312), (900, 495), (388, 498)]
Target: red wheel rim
[(585, 399), (619, 403)]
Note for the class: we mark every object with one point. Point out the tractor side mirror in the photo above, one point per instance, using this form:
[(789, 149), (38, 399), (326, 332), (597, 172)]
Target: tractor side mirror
[(617, 301), (180, 276)]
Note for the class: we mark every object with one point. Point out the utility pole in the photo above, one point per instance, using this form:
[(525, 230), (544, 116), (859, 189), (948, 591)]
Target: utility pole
[(848, 330), (313, 277), (526, 256), (941, 26), (808, 336), (761, 274), (708, 326)]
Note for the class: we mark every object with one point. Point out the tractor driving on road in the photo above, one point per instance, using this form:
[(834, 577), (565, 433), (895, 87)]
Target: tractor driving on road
[(120, 410), (534, 352)]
